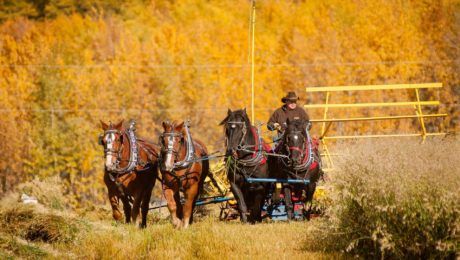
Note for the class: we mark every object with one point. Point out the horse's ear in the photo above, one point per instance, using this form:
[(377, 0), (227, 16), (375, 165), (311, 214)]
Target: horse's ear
[(244, 111), (179, 127), (225, 120), (229, 112), (104, 125), (165, 124), (119, 125)]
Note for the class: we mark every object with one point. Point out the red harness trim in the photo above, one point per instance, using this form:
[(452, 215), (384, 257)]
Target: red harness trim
[(307, 156), (295, 149), (256, 148)]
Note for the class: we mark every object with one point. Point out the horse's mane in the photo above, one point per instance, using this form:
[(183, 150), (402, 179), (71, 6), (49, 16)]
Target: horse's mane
[(233, 114), (296, 125)]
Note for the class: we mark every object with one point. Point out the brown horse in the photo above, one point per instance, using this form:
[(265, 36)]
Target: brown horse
[(183, 168), (131, 170)]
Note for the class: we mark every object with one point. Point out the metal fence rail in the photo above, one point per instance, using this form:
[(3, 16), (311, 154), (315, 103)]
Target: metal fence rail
[(417, 104)]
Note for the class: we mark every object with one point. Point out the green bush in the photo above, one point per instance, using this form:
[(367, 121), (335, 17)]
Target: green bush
[(397, 199)]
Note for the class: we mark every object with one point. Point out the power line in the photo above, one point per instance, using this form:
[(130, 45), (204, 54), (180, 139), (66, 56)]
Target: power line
[(229, 65), (101, 110)]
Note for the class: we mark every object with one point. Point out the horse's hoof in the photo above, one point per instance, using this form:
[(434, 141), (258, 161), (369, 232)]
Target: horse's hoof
[(177, 223), (117, 216)]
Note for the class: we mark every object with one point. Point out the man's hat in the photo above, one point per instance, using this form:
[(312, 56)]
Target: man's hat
[(291, 96)]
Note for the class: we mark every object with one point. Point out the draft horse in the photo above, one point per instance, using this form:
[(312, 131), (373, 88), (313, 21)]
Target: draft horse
[(244, 159), (300, 162), (183, 167), (130, 172)]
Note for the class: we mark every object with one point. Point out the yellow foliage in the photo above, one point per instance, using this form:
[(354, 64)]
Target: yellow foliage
[(173, 60)]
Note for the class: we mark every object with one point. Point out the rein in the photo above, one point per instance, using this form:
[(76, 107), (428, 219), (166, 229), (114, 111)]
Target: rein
[(258, 155)]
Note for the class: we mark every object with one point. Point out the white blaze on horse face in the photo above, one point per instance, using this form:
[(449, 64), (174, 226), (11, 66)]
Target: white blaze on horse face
[(109, 138), (169, 162)]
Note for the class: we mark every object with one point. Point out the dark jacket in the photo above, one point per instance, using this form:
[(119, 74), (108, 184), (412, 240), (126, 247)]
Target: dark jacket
[(281, 115)]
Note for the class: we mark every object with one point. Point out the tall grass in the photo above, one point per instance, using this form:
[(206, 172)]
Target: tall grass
[(396, 199), (387, 199)]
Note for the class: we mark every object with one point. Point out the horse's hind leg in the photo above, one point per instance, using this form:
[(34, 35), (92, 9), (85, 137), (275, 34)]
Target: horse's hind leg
[(288, 202), (126, 208), (145, 206), (256, 207), (136, 207)]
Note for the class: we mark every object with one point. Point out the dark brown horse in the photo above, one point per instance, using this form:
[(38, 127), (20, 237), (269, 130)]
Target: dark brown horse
[(183, 168), (131, 170), (301, 162), (245, 159)]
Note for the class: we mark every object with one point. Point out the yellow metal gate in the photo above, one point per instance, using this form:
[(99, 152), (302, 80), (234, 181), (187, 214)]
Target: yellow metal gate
[(417, 104)]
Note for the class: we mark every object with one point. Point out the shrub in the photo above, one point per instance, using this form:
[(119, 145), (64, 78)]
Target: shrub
[(396, 199)]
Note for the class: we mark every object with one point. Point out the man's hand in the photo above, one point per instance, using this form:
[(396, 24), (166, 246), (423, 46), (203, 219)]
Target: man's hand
[(277, 126)]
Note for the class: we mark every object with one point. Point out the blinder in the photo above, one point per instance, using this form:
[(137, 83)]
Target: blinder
[(111, 131), (232, 125), (170, 134)]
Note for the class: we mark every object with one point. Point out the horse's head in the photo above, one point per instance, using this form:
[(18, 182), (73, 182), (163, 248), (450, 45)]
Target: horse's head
[(171, 141), (294, 140), (112, 141), (236, 125)]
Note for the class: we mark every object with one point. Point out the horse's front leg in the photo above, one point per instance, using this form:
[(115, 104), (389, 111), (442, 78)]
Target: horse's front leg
[(256, 207), (190, 194), (172, 207), (288, 202), (241, 202), (116, 213)]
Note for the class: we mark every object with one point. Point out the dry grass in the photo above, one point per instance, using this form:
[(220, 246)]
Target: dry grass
[(206, 239), (396, 199), (43, 231)]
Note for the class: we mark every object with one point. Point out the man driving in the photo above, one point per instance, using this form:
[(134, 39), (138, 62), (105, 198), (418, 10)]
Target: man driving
[(289, 110)]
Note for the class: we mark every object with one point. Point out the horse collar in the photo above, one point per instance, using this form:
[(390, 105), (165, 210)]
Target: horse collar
[(133, 154)]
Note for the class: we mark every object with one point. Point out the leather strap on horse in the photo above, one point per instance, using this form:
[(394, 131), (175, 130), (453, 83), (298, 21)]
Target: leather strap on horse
[(257, 157), (190, 152), (308, 158), (133, 154)]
